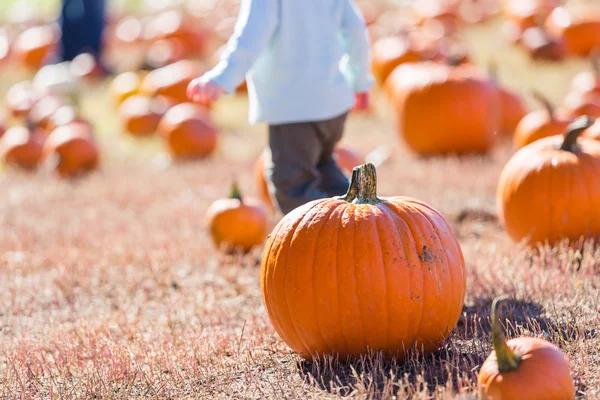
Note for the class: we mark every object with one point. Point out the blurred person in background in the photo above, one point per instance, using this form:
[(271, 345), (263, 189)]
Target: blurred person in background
[(82, 26)]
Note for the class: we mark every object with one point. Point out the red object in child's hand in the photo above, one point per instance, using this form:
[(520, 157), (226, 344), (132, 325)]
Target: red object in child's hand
[(204, 91), (361, 101)]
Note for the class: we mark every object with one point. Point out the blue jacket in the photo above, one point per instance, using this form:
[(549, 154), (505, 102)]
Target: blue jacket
[(303, 59)]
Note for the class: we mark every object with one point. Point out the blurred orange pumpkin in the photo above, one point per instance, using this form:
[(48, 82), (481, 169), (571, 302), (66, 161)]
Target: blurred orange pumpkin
[(512, 108), (87, 67), (63, 116), (581, 33), (126, 85), (236, 223), (444, 109), (188, 131), (538, 191), (588, 81), (173, 24), (580, 104), (172, 80), (141, 114), (540, 46), (21, 147), (388, 53), (539, 124), (34, 46), (43, 110), (20, 98), (73, 149), (166, 51)]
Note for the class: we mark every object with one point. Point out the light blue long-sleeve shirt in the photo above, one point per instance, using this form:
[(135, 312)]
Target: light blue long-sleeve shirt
[(303, 59)]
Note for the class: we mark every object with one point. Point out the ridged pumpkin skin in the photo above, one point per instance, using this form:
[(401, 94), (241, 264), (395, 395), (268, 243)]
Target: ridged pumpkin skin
[(172, 80), (234, 223), (388, 53), (21, 148), (524, 368), (74, 148), (443, 109), (188, 131), (355, 273), (547, 194), (346, 158)]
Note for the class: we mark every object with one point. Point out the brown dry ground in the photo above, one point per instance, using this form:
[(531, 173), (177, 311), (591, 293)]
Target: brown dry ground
[(110, 287)]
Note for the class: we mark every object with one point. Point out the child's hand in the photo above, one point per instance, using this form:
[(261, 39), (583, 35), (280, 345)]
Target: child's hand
[(204, 91), (361, 101)]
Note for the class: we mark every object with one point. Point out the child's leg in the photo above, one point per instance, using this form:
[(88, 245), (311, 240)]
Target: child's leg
[(292, 172), (333, 180)]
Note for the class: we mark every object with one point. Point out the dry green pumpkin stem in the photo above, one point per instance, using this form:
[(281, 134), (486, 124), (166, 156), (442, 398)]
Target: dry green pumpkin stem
[(235, 191), (507, 359), (575, 130), (363, 185), (545, 102)]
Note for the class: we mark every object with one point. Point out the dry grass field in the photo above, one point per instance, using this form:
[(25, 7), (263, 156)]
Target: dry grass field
[(111, 288)]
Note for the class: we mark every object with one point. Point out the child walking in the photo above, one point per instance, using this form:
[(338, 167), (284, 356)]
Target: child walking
[(307, 64)]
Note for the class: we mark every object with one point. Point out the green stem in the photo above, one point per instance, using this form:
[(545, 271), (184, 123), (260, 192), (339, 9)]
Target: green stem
[(363, 185), (575, 130), (235, 191), (545, 102), (506, 358)]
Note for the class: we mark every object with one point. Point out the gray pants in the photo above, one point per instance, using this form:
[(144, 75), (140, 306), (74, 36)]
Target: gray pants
[(302, 167)]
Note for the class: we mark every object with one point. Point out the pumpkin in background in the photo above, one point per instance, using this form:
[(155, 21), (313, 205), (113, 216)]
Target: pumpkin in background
[(21, 147), (141, 114), (539, 124), (529, 12), (172, 24), (540, 46), (512, 108), (593, 132), (86, 66), (20, 98), (236, 223), (5, 45), (580, 31), (524, 368), (388, 53), (331, 263), (581, 104), (172, 81), (588, 81), (43, 110), (2, 127), (33, 46), (63, 116), (125, 85), (72, 149), (166, 51), (541, 188), (188, 131), (444, 12), (443, 109), (346, 158)]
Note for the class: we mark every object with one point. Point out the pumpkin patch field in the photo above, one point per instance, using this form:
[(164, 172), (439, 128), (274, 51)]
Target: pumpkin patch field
[(142, 255)]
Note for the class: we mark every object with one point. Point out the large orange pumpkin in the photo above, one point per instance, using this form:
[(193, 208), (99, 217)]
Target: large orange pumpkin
[(358, 273), (21, 147), (20, 98), (541, 187), (444, 109), (188, 131), (141, 114), (34, 45), (539, 124), (236, 223), (172, 80), (346, 158), (581, 34), (512, 108), (524, 368), (388, 53), (73, 149)]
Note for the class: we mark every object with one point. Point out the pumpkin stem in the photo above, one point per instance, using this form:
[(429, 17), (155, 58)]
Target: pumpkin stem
[(363, 185), (235, 191), (575, 130), (506, 358), (545, 102)]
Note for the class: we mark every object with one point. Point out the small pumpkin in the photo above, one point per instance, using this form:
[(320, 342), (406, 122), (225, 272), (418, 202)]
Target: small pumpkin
[(540, 46), (524, 368), (63, 116), (173, 24), (512, 108), (86, 66), (581, 104), (34, 45), (166, 51), (580, 32), (236, 223), (539, 124), (141, 114), (588, 81), (42, 111), (21, 147), (357, 273), (444, 12), (346, 158), (172, 80), (20, 98), (444, 109), (73, 150), (540, 186), (388, 53), (125, 85), (188, 131)]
